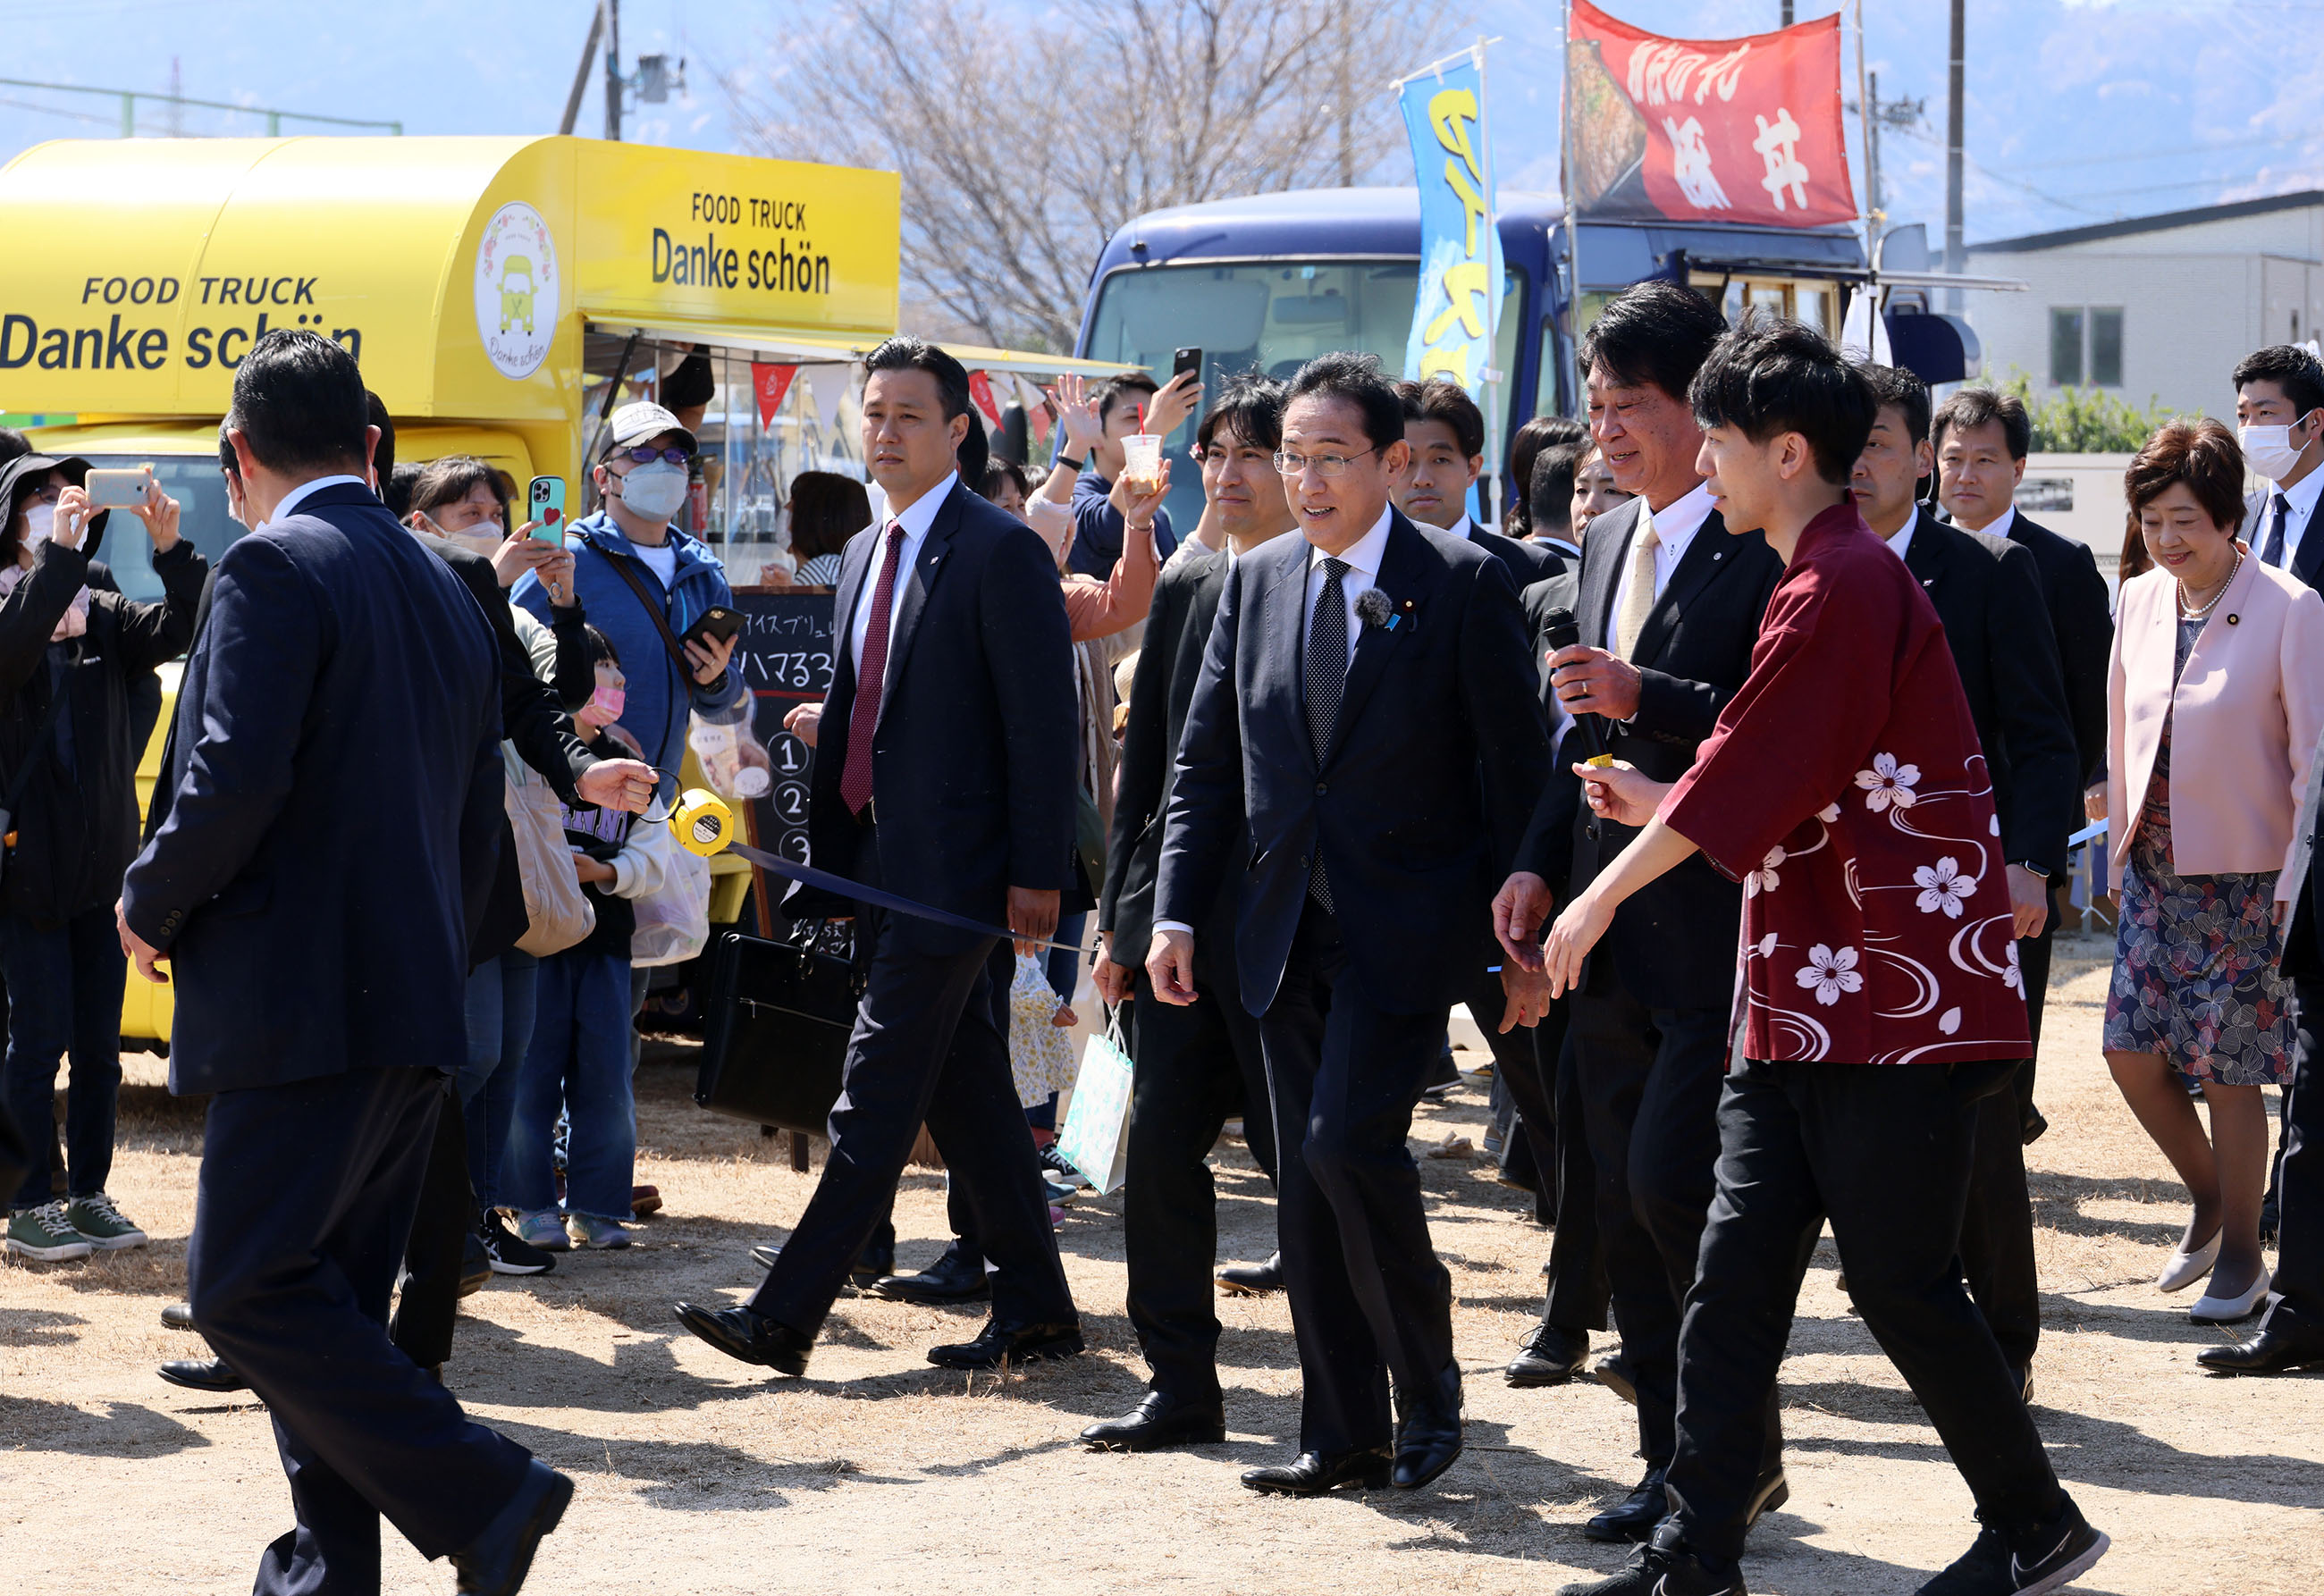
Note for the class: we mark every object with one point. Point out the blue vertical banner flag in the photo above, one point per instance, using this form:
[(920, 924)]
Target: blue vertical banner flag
[(1460, 295)]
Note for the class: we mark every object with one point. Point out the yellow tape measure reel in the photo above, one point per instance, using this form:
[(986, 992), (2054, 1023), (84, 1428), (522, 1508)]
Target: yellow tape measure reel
[(702, 822)]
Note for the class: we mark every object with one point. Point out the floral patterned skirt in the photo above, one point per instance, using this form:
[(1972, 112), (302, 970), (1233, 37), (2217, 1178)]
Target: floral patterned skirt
[(2195, 978)]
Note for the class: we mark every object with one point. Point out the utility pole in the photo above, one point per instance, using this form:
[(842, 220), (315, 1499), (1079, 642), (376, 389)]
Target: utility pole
[(1347, 103), (581, 73), (1787, 12), (613, 10), (1956, 255)]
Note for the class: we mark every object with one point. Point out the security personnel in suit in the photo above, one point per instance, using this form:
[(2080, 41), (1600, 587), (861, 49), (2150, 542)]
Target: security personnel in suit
[(1355, 746), (1669, 607), (326, 827), (1987, 596), (1197, 1065), (2280, 423), (943, 772)]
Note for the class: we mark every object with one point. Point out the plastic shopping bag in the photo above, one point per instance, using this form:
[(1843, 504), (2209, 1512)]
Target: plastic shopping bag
[(673, 923)]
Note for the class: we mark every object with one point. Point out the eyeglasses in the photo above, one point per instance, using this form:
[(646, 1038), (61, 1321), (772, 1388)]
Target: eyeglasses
[(642, 456), (1326, 466)]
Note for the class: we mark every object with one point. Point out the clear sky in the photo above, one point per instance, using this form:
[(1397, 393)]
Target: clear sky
[(2076, 111)]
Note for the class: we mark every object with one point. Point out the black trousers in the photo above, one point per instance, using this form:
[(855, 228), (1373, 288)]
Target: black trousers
[(1579, 1290), (1883, 1150), (1196, 1068), (1368, 1296), (437, 1249), (1997, 1240), (306, 1195), (1519, 1077), (924, 1049), (1650, 1081), (2298, 1303)]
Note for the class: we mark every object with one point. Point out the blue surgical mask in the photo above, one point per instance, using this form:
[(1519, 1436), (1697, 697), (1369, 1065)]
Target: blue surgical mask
[(655, 492)]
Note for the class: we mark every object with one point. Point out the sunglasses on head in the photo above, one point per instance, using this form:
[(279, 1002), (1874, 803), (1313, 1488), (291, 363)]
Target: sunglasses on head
[(645, 456)]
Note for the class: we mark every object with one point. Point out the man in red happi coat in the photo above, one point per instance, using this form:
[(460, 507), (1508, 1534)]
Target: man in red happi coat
[(1879, 993)]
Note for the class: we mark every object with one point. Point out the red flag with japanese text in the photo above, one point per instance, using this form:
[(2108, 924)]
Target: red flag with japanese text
[(1701, 130), (770, 383), (980, 389)]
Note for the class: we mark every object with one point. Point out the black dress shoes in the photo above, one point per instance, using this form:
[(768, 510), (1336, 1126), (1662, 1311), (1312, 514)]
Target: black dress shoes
[(998, 1344), (496, 1562), (1253, 1279), (873, 1264), (1634, 1518), (1160, 1421), (1427, 1431), (2271, 1350), (1552, 1355), (1311, 1473), (204, 1374), (954, 1278), (178, 1315), (1664, 1567), (1614, 1373), (750, 1335), (1769, 1491)]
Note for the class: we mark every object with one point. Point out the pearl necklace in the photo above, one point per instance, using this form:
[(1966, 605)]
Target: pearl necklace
[(2187, 612)]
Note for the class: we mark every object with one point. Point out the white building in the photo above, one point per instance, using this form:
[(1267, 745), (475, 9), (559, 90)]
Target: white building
[(2157, 307)]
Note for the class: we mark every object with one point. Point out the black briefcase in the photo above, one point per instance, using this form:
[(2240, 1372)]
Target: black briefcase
[(775, 1034)]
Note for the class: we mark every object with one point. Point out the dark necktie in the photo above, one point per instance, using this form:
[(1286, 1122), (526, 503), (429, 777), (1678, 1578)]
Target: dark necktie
[(871, 678), (2279, 510), (1327, 675)]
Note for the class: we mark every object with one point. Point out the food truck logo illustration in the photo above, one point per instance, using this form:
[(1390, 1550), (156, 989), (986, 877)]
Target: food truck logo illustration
[(516, 290)]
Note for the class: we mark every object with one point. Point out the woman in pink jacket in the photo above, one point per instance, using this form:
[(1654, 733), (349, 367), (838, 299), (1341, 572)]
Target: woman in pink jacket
[(2214, 701)]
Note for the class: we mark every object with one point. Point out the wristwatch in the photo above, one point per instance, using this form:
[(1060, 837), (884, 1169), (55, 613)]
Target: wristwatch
[(2030, 866)]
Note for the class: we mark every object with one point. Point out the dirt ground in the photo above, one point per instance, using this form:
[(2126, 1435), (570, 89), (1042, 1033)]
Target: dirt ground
[(881, 1473)]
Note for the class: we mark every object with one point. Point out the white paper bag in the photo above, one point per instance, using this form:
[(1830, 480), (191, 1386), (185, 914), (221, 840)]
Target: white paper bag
[(1096, 1139)]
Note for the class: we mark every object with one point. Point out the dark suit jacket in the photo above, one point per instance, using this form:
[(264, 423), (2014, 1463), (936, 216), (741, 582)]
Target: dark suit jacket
[(2303, 938), (975, 747), (1169, 663), (1674, 942), (1526, 563), (326, 825), (2082, 622), (1416, 807), (1988, 597), (1560, 588), (2307, 560)]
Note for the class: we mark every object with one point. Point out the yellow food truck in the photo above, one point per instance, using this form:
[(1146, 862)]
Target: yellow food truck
[(496, 292)]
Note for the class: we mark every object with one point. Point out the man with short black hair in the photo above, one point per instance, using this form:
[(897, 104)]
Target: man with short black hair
[(1982, 435), (2280, 423), (338, 729), (1668, 610), (1354, 750), (1987, 597), (1445, 433), (1125, 404), (943, 772), (1196, 1066), (1877, 998)]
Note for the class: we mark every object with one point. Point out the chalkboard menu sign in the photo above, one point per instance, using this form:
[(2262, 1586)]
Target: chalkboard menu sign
[(785, 651)]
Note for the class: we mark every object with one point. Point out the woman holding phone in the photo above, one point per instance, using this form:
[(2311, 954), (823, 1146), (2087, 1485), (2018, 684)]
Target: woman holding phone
[(68, 758)]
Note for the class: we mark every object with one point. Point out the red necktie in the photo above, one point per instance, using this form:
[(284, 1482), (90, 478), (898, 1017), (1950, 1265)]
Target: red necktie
[(871, 678)]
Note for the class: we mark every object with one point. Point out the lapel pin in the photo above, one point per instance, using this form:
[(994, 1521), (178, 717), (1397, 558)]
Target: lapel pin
[(2234, 620)]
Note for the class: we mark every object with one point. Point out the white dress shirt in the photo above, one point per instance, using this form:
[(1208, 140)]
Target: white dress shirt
[(1901, 538), (2300, 499), (299, 495), (1675, 525), (1464, 528), (1363, 562), (916, 522), (1997, 528)]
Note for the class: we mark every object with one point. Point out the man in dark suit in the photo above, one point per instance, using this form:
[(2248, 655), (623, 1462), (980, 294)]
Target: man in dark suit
[(326, 826), (1669, 607), (2291, 1333), (1198, 1065), (1988, 598), (943, 772), (1981, 436), (2280, 423), (1356, 748)]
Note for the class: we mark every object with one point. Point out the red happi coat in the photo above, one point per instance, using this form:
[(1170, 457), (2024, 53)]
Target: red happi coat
[(1845, 787)]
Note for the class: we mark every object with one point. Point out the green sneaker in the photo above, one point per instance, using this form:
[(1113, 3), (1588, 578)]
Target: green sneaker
[(45, 1235), (101, 1225), (591, 1230)]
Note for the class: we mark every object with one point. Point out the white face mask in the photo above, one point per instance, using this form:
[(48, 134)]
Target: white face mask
[(40, 525), (654, 491), (2269, 451)]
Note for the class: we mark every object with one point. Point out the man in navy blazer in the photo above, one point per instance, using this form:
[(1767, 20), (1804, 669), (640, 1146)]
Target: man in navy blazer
[(1364, 746), (323, 838), (952, 784)]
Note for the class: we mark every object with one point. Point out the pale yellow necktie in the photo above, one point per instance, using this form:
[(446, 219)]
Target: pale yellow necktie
[(1639, 597)]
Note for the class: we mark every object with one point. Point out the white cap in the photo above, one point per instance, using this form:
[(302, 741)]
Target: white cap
[(634, 424)]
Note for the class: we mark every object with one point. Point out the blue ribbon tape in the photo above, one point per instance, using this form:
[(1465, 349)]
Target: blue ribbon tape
[(872, 897)]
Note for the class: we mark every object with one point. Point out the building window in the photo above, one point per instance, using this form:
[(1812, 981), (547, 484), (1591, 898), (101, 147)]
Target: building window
[(2086, 346), (2106, 348), (2065, 348)]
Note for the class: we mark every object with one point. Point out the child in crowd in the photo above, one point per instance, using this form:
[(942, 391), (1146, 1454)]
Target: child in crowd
[(580, 1059)]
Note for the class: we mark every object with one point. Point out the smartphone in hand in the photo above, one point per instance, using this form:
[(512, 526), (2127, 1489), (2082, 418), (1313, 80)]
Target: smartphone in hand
[(1185, 361), (716, 624), (544, 504), (118, 490)]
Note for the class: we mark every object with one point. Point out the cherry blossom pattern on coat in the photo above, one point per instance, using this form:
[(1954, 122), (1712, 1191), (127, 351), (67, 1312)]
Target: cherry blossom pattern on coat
[(1844, 786)]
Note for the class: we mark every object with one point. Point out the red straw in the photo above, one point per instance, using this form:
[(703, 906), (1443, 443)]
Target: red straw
[(1139, 411)]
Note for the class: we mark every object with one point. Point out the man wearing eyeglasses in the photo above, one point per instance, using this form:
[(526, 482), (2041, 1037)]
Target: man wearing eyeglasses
[(1365, 691), (643, 582)]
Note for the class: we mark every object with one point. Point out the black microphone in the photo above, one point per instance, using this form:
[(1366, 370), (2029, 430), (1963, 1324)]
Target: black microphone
[(1559, 631)]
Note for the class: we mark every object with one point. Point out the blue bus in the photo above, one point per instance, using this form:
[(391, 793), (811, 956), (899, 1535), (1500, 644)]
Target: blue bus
[(1272, 279)]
